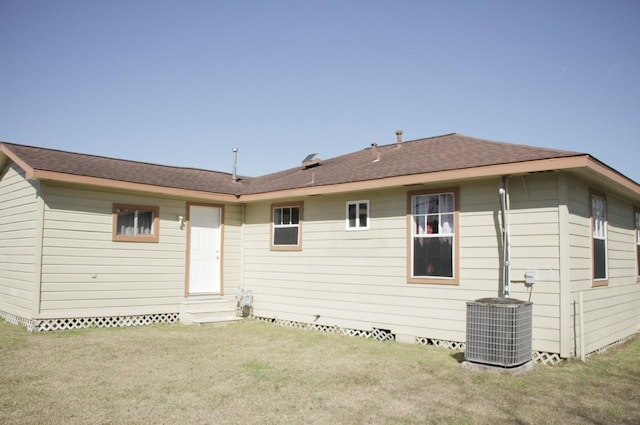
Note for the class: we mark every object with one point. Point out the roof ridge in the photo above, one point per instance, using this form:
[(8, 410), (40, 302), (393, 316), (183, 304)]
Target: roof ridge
[(480, 139), (411, 141)]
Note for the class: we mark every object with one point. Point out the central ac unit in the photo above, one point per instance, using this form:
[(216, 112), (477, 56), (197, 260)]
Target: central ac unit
[(499, 331)]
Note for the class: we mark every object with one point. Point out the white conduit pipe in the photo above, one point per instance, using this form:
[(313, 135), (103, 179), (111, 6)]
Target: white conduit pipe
[(581, 302), (506, 284)]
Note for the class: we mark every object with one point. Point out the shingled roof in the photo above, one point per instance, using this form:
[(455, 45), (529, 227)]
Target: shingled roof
[(56, 161), (449, 157), (430, 155)]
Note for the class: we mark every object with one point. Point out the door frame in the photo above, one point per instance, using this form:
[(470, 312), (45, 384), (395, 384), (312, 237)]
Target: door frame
[(188, 246)]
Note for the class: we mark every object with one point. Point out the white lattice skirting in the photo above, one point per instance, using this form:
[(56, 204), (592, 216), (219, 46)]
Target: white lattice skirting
[(17, 320), (39, 325), (385, 335), (613, 344), (375, 333)]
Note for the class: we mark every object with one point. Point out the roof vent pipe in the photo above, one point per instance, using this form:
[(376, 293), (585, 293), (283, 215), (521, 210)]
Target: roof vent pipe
[(375, 152), (234, 176), (399, 136)]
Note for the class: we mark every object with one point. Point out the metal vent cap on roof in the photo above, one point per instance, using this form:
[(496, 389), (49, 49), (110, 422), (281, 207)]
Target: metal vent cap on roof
[(310, 161)]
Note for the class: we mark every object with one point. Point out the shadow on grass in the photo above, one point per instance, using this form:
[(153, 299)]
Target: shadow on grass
[(458, 356)]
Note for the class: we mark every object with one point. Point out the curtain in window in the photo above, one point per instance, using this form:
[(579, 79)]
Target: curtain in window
[(433, 229), (135, 222), (599, 212)]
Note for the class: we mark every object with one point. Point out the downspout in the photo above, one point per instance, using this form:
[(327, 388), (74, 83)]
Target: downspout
[(36, 306), (506, 283), (243, 212)]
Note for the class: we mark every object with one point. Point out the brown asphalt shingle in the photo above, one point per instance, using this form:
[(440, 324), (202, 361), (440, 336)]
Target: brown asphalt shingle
[(441, 153), (127, 171)]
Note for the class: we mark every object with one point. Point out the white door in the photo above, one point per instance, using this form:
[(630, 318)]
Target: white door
[(204, 250)]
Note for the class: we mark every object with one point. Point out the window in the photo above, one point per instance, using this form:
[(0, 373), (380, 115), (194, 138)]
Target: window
[(638, 243), (599, 225), (433, 241), (286, 227), (357, 215), (135, 223)]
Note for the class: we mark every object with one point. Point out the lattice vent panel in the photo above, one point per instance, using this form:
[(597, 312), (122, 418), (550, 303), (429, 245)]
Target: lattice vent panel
[(377, 334), (381, 335), (104, 322), (354, 332), (17, 320), (547, 359), (323, 328), (449, 345), (602, 350)]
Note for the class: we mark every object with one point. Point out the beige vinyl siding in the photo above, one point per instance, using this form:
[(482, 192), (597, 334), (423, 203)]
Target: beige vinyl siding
[(346, 277), (85, 273), (358, 279), (18, 242), (535, 246), (232, 243), (611, 312)]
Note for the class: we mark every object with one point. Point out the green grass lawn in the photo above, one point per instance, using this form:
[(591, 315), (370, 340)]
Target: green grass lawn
[(258, 373)]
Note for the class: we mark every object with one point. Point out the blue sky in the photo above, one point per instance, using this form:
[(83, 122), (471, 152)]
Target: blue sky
[(183, 82)]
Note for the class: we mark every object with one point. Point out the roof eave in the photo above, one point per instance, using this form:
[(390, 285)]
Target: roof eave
[(138, 187), (582, 161), (608, 179), (28, 170)]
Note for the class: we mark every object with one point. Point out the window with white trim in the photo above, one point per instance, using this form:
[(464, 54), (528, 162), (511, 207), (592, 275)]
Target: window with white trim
[(433, 236), (286, 226), (357, 215), (135, 223), (599, 224)]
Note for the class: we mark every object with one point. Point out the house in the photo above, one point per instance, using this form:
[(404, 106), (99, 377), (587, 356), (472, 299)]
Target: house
[(390, 240)]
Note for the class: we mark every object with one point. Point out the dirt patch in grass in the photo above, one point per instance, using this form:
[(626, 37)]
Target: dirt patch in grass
[(257, 373)]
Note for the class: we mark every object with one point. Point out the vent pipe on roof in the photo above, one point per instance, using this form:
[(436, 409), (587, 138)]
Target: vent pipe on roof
[(234, 176), (399, 136), (375, 152)]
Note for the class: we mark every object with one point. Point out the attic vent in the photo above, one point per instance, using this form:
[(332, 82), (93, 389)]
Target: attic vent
[(310, 161)]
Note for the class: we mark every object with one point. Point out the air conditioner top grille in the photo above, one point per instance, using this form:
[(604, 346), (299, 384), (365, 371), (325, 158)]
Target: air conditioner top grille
[(500, 301)]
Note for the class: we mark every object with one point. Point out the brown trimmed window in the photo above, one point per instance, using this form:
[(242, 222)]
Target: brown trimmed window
[(637, 214), (599, 238), (433, 240), (286, 227), (135, 223)]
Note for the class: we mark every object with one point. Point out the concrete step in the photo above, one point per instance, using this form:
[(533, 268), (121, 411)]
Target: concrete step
[(216, 321), (200, 310)]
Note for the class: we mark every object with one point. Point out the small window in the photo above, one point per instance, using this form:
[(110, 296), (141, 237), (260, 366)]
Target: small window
[(134, 223), (286, 227), (638, 244), (433, 237), (599, 224), (357, 215)]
